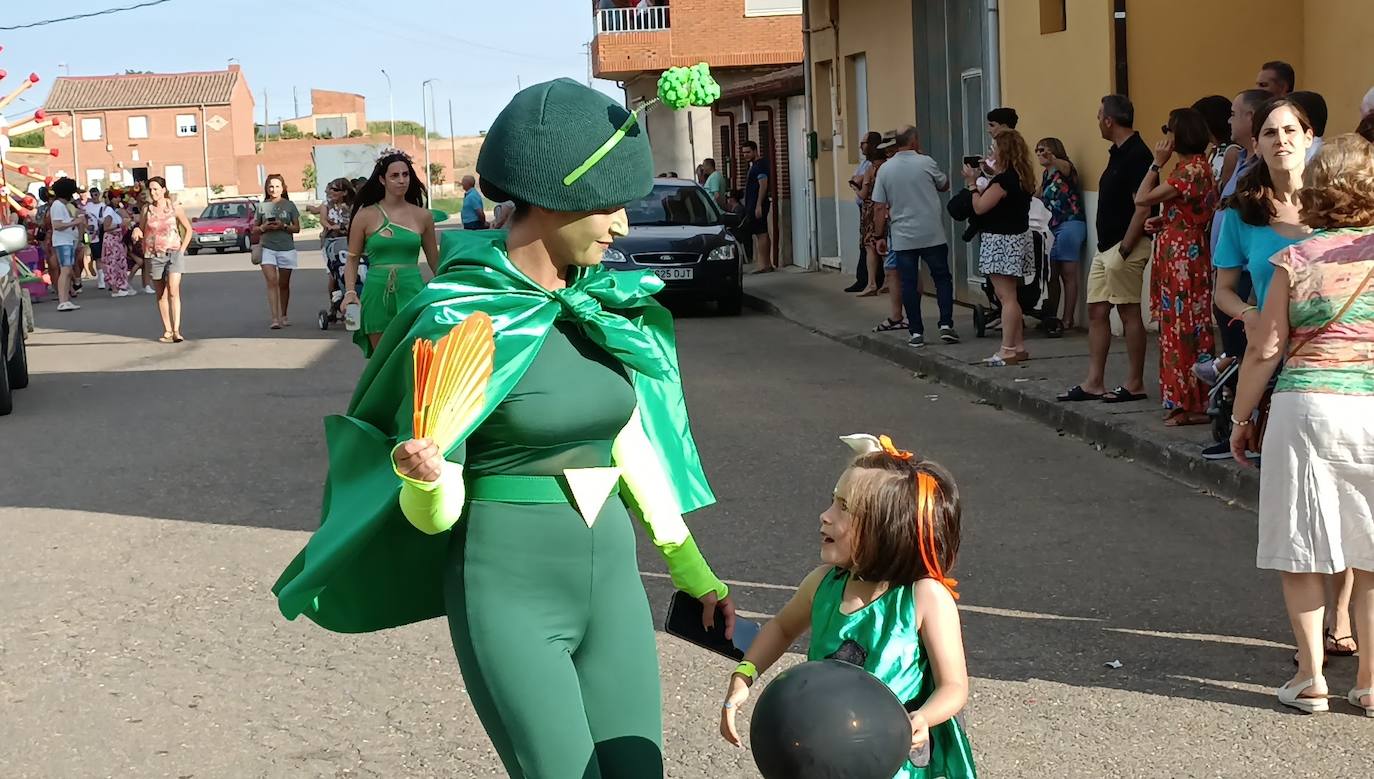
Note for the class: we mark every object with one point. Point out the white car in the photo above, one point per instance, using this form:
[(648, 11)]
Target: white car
[(15, 373)]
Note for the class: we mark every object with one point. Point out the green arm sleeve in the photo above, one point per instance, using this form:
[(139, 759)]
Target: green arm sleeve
[(433, 506), (649, 493)]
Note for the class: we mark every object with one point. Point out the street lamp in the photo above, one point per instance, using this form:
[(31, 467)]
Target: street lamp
[(424, 110), (392, 104)]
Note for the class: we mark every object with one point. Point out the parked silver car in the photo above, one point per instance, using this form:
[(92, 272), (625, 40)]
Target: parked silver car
[(15, 373)]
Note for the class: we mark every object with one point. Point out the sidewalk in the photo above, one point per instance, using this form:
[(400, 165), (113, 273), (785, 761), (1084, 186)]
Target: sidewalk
[(1132, 430)]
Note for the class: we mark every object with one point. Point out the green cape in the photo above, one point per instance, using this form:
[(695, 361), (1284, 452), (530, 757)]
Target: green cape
[(367, 568)]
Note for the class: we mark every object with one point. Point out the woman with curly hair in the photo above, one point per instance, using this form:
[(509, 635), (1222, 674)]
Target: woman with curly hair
[(1316, 509), (1007, 249)]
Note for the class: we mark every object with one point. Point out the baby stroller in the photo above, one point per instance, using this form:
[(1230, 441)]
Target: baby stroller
[(336, 261), (1034, 290)]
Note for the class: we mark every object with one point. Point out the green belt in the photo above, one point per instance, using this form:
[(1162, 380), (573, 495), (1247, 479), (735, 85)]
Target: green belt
[(522, 489)]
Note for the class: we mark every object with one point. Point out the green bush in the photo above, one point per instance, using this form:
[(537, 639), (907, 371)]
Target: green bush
[(309, 221)]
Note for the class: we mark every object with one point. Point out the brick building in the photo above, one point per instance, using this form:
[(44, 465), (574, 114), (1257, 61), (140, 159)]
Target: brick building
[(742, 40), (193, 129), (332, 114)]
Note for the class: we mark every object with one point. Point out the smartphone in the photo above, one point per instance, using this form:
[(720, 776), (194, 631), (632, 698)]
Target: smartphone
[(684, 622), (973, 161)]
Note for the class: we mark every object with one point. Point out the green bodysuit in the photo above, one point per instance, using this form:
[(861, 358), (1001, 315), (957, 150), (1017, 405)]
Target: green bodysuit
[(886, 630), (393, 277)]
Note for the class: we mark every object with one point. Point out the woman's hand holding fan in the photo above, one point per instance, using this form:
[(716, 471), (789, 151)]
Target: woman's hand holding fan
[(451, 379)]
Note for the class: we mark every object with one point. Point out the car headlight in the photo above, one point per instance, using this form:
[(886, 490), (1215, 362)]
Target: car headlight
[(727, 252), (614, 255), (230, 233)]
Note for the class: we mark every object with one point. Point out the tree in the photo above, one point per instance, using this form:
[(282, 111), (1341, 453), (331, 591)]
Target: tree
[(291, 132), (356, 134), (403, 127), (29, 140), (308, 178), (436, 173)]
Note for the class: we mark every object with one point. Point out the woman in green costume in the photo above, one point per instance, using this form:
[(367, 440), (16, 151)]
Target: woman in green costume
[(882, 601), (391, 224), (521, 533)]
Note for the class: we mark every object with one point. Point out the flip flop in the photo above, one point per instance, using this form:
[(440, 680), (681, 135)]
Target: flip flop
[(1339, 651), (1076, 393), (1122, 395), (889, 325)]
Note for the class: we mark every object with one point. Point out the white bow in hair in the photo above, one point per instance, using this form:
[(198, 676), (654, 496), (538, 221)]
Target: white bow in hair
[(862, 443)]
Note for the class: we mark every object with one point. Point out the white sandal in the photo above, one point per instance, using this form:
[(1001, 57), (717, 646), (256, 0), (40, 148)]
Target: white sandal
[(1290, 695), (1355, 696)]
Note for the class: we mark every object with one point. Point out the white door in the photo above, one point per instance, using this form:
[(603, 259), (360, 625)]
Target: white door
[(176, 177), (797, 168)]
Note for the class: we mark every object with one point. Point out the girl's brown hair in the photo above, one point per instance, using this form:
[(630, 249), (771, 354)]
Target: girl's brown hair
[(1254, 197), (266, 197), (906, 519), (1056, 147), (1338, 185), (1014, 155), (345, 186)]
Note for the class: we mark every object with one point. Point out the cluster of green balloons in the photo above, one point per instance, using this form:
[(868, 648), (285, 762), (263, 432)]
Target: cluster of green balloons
[(682, 87)]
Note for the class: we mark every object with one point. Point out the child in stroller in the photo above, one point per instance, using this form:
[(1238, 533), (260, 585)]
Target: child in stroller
[(1034, 290), (335, 260)]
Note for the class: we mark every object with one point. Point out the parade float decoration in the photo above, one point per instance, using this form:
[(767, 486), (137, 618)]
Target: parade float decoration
[(678, 88), (16, 159)]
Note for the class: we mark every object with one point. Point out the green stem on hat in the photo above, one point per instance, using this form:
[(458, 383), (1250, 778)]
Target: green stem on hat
[(606, 147)]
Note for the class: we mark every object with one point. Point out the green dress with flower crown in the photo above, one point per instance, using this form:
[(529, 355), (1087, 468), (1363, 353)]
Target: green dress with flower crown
[(886, 631), (393, 277)]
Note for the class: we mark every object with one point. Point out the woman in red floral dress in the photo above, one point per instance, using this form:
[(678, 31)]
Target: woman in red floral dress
[(1181, 280)]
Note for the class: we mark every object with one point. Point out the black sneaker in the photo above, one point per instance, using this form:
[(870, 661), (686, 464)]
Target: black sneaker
[(948, 335), (1221, 450), (916, 341)]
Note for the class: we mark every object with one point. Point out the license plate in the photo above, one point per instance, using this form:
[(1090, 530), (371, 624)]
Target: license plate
[(675, 274), (210, 238)]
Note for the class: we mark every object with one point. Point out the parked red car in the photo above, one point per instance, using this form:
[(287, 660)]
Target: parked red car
[(224, 224)]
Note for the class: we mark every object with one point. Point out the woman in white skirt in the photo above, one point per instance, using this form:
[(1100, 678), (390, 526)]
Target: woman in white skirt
[(1007, 250), (1316, 513)]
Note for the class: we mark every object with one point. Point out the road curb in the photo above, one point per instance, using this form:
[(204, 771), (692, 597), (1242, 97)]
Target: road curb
[(1175, 459)]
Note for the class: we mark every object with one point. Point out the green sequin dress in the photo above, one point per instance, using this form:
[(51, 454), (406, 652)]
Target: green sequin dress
[(886, 630), (393, 277)]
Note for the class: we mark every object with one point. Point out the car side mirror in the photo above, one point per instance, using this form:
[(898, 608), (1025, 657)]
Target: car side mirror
[(13, 238), (731, 219)]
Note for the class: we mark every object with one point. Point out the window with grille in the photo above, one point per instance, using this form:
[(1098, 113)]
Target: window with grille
[(186, 125)]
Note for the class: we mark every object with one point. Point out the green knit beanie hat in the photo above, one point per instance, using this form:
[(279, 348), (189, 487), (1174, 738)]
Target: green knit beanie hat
[(548, 131)]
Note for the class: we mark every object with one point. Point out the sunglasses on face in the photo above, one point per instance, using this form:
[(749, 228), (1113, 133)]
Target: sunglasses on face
[(1165, 129)]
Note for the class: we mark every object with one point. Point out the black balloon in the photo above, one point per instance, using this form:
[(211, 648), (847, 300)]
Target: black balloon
[(829, 719)]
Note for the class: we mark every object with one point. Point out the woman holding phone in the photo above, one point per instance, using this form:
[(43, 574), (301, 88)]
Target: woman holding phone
[(276, 224)]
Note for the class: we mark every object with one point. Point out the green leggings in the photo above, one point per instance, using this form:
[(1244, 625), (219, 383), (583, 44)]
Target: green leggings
[(555, 640)]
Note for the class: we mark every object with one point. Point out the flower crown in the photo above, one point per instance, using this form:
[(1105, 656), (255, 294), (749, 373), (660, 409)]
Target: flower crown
[(392, 151)]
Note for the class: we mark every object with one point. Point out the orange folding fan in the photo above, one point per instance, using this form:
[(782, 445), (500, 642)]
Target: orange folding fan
[(451, 380)]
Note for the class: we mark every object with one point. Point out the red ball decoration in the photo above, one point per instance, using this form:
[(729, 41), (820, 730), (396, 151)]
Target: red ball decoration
[(38, 115), (28, 201), (24, 170), (33, 78), (53, 152)]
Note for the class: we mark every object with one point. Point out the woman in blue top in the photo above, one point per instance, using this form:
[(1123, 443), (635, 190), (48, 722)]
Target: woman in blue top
[(1262, 219)]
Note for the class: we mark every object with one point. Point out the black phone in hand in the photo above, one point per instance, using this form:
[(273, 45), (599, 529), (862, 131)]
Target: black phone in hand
[(684, 622)]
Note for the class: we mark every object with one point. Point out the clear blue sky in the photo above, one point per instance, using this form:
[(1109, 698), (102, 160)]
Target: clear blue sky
[(476, 49)]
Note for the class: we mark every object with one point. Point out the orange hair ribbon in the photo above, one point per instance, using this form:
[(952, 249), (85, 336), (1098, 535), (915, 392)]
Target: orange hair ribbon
[(927, 490), (889, 448)]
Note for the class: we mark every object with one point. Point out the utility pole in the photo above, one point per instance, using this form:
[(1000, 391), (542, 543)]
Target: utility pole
[(391, 103), (424, 126), (518, 86), (588, 47), (452, 145), (295, 102), (266, 133)]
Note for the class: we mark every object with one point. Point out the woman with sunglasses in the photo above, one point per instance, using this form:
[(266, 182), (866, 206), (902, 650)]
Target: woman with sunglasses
[(1181, 280), (1061, 191)]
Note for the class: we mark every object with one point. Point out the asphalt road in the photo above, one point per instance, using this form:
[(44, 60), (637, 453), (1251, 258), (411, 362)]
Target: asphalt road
[(150, 494)]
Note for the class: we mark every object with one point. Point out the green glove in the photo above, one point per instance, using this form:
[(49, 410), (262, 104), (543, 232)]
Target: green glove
[(433, 506), (649, 492)]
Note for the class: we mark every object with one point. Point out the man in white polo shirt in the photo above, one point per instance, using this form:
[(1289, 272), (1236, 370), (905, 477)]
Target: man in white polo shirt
[(909, 211)]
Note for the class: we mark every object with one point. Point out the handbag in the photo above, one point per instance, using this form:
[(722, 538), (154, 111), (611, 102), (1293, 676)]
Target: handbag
[(255, 253), (1262, 412)]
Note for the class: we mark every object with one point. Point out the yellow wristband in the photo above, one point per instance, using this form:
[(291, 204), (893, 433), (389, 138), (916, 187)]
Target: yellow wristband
[(748, 670)]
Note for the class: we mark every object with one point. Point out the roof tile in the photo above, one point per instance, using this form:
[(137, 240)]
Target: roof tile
[(143, 90)]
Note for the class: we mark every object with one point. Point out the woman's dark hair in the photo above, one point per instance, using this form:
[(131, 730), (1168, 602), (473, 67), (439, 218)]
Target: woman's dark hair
[(268, 180), (64, 188), (1216, 110), (1189, 129), (884, 502), (373, 190), (874, 153), (1254, 197), (1366, 128), (1338, 185), (1056, 148), (1314, 105)]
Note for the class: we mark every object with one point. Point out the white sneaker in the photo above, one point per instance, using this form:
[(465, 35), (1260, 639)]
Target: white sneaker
[(131, 291), (100, 280), (68, 306), (148, 288)]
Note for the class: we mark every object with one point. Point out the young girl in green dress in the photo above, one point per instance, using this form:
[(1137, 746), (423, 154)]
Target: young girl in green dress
[(882, 600)]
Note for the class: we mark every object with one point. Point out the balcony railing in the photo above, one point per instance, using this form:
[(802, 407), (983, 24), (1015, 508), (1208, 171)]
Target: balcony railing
[(632, 19)]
